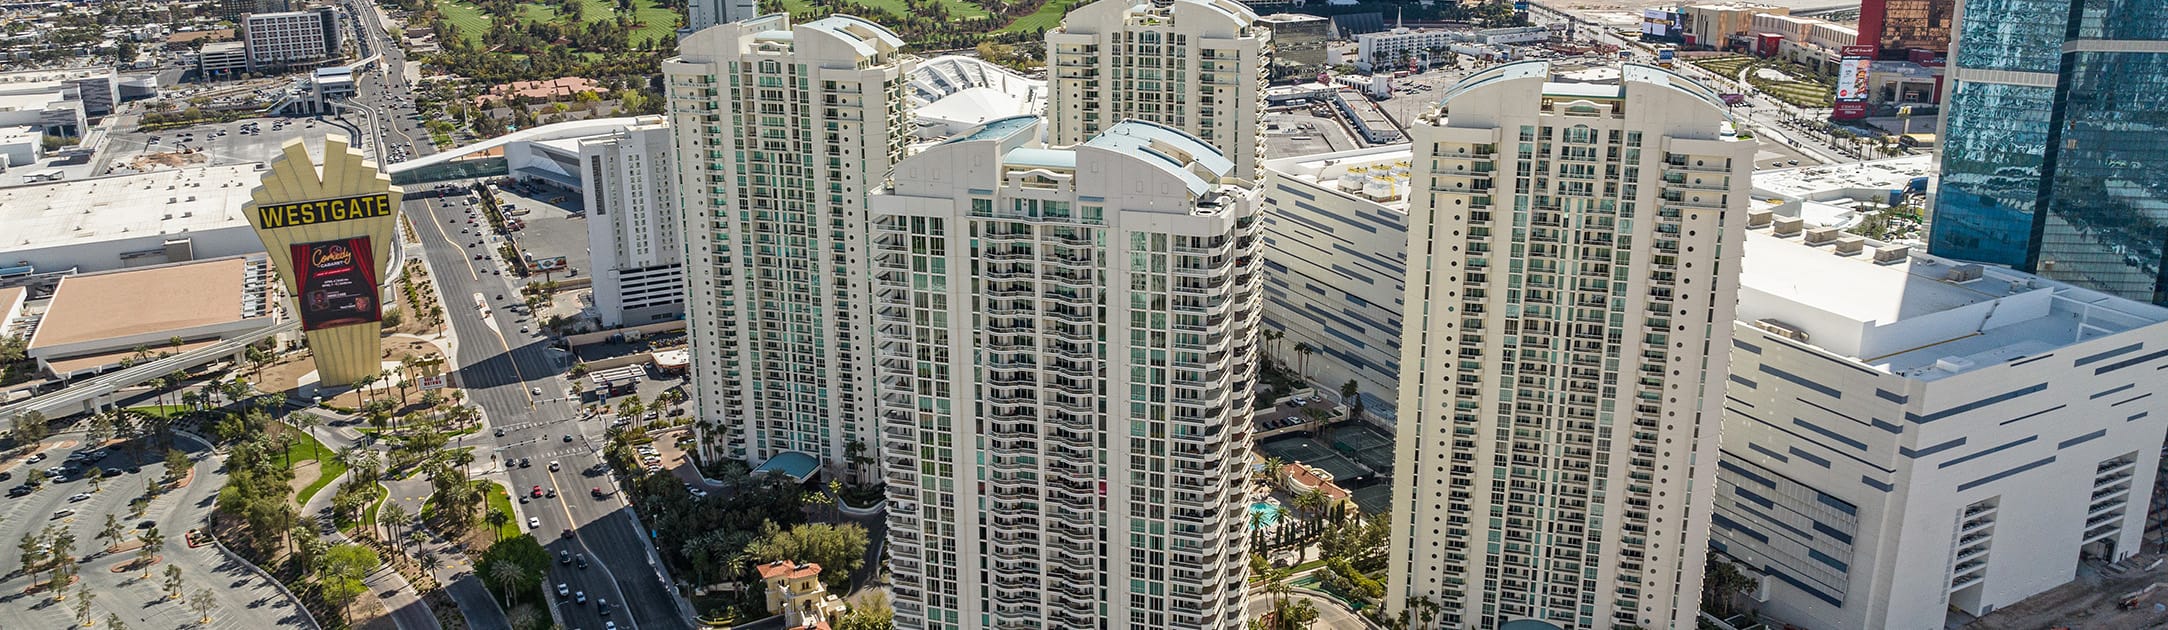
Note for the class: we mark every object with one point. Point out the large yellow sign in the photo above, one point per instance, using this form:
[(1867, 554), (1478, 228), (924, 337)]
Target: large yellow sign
[(331, 230), (325, 211)]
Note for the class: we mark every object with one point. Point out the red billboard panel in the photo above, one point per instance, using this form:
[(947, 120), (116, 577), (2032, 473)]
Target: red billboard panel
[(337, 280)]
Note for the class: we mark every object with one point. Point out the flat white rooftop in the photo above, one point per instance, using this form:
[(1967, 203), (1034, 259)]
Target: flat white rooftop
[(1329, 170), (1826, 181), (171, 202), (1923, 317)]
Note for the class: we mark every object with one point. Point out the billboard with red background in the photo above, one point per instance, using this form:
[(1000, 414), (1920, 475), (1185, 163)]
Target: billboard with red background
[(337, 282)]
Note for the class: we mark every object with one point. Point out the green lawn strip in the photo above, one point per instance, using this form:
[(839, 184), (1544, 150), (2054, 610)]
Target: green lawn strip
[(962, 9), (501, 501), (657, 21), (161, 411), (328, 469), (1048, 16)]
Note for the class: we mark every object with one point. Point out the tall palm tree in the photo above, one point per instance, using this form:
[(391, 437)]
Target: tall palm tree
[(307, 422), (497, 520), (390, 516), (1303, 349), (508, 577)]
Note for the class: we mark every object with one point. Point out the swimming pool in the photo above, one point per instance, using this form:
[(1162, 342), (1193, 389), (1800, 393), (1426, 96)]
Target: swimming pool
[(1270, 514)]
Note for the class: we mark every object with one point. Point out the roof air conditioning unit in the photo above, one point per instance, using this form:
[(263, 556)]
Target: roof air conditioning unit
[(1759, 218), (1892, 253), (1963, 273), (1779, 328), (1848, 245), (1820, 235), (1788, 226)]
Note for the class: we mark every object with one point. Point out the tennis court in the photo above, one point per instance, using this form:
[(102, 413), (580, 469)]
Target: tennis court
[(1365, 445), (1308, 451)]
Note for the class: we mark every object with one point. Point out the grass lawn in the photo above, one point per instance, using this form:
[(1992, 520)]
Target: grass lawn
[(498, 500), (470, 20), (161, 411), (330, 469), (655, 21), (1048, 16)]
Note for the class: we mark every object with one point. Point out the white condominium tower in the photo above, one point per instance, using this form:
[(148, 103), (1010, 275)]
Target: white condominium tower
[(1195, 65), (1572, 270), (781, 130), (631, 198), (1065, 341)]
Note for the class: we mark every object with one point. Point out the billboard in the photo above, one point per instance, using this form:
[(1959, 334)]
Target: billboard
[(329, 227), (1852, 84), (336, 283)]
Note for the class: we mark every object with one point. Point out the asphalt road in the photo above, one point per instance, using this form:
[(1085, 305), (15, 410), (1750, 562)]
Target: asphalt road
[(244, 600), (516, 378)]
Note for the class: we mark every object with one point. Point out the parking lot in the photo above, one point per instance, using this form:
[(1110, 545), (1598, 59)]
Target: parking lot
[(242, 599), (213, 144), (556, 224)]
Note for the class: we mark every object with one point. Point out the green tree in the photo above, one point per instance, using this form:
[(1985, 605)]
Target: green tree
[(173, 582), (508, 577), (113, 622), (839, 549), (62, 566), (111, 532), (177, 464), (33, 551), (28, 428), (871, 613), (203, 603), (153, 543), (84, 616)]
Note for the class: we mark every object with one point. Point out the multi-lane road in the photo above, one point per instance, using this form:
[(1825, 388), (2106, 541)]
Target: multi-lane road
[(518, 381)]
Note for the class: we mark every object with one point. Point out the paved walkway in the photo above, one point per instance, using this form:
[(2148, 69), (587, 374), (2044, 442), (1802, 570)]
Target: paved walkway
[(399, 596), (1330, 612)]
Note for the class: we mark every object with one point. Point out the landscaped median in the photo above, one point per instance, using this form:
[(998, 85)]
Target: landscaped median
[(499, 501), (305, 447)]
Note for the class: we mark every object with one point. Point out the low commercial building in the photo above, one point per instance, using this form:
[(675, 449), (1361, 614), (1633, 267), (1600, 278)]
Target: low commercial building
[(1906, 435), (108, 223), (21, 145), (280, 40), (97, 321), (1366, 118), (630, 192), (1720, 25), (1336, 239), (218, 60), (1816, 44)]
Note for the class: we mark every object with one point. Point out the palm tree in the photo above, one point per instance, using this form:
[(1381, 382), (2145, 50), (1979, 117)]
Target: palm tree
[(508, 576), (429, 562), (153, 542), (497, 519), (1311, 503), (1272, 340), (1303, 349), (173, 581), (389, 517), (111, 532)]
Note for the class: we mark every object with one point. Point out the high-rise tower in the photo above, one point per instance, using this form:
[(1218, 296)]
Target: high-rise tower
[(1195, 65), (781, 130), (1065, 342), (1572, 269), (2048, 158)]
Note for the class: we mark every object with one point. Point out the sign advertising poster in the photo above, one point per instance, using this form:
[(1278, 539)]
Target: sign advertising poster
[(1852, 83), (337, 283)]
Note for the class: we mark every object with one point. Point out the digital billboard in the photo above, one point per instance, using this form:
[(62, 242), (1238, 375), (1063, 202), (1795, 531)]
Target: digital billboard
[(336, 283), (1852, 83)]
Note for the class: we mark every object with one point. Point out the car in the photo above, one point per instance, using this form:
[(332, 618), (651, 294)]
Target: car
[(534, 390), (595, 492), (112, 472), (609, 625), (63, 514), (19, 491), (602, 607), (553, 467), (538, 491), (146, 524), (568, 438), (35, 458), (52, 471), (4, 476), (523, 330), (550, 493), (500, 432), (1792, 163), (79, 497), (534, 522), (579, 560), (564, 557), (579, 596), (525, 462)]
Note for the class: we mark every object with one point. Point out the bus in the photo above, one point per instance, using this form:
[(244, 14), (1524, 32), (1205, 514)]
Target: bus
[(1666, 56)]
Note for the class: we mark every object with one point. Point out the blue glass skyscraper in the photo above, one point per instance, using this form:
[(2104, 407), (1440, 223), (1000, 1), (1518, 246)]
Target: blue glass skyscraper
[(2054, 159)]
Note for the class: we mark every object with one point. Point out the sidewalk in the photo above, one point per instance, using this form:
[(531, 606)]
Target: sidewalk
[(399, 597)]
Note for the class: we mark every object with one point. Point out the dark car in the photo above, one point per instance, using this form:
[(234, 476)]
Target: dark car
[(18, 491), (4, 476), (564, 557), (525, 462)]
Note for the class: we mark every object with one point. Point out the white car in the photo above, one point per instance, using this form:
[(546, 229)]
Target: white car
[(563, 591), (534, 390), (79, 497), (534, 522)]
